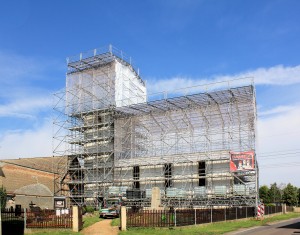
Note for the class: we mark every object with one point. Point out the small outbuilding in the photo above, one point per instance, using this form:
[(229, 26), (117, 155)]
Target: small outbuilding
[(29, 181)]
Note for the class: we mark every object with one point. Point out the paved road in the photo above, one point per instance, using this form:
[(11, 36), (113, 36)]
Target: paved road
[(282, 228)]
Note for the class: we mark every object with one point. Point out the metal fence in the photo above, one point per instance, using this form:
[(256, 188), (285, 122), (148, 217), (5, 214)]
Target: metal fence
[(272, 210), (289, 208), (12, 221), (182, 217), (49, 218)]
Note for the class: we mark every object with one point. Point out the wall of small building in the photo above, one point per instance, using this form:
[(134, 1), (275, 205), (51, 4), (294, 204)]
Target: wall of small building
[(37, 194)]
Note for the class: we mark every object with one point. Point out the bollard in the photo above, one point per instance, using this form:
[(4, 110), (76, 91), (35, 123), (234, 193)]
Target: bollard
[(175, 217)]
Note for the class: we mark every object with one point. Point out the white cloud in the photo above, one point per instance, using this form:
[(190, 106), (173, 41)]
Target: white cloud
[(25, 91), (26, 94), (278, 135), (277, 110), (26, 107), (27, 143), (277, 75)]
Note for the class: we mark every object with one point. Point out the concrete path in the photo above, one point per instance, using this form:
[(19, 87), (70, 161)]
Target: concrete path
[(101, 228), (288, 227)]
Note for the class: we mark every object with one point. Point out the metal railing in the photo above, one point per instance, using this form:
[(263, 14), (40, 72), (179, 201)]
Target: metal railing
[(272, 210), (12, 221), (182, 217)]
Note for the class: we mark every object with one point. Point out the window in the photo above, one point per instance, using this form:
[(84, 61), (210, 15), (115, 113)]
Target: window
[(202, 173), (168, 175), (136, 177), (100, 119)]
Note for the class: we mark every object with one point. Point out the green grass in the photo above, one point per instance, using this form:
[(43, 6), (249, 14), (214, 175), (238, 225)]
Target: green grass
[(115, 222), (89, 220), (209, 229), (52, 232)]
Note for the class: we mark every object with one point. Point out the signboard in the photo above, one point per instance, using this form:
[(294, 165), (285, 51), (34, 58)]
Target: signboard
[(59, 202), (260, 210), (243, 161)]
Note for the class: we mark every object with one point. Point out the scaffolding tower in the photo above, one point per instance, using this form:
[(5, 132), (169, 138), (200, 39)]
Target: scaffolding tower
[(196, 144)]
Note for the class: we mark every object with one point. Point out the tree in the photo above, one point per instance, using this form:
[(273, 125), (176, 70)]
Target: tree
[(290, 195), (3, 196), (264, 194), (274, 194)]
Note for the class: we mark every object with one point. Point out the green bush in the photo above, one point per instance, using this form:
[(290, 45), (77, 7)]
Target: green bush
[(3, 196), (89, 209)]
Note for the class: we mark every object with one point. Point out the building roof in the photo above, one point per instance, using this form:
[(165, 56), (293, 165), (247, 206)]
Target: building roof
[(242, 94), (1, 172), (46, 164), (98, 60)]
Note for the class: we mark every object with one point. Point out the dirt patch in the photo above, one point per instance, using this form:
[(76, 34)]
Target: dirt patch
[(101, 228)]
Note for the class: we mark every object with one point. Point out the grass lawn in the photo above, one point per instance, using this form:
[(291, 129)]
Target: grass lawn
[(115, 222), (89, 220), (208, 229), (52, 232)]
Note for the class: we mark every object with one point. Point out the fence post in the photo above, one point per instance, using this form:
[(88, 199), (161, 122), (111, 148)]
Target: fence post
[(225, 213), (156, 198), (283, 208), (123, 222), (195, 217), (246, 212), (175, 217), (211, 219), (236, 213), (77, 219)]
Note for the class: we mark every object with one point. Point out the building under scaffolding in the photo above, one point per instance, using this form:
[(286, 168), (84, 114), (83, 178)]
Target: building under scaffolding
[(196, 144)]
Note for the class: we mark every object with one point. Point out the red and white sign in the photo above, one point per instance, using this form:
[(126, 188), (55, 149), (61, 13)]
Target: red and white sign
[(242, 161), (260, 210)]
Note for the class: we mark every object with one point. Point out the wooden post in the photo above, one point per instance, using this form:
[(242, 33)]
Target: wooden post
[(123, 219)]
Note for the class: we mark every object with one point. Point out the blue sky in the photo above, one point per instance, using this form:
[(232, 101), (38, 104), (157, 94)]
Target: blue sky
[(174, 43)]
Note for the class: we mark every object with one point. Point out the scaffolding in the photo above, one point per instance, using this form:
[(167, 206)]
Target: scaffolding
[(117, 136)]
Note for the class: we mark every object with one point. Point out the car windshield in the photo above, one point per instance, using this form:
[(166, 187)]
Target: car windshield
[(110, 203)]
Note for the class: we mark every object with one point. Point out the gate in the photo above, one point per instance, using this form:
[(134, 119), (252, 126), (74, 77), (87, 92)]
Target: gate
[(12, 221)]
